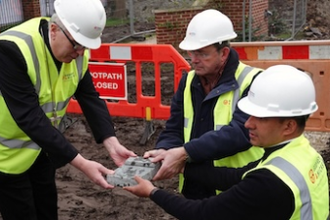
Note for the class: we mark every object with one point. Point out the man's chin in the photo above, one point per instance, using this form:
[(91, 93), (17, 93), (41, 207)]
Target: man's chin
[(67, 60)]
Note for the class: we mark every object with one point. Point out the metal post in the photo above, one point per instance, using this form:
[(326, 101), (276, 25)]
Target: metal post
[(250, 21), (294, 19), (131, 17), (243, 22)]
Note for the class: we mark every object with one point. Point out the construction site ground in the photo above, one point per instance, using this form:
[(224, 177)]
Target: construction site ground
[(80, 199)]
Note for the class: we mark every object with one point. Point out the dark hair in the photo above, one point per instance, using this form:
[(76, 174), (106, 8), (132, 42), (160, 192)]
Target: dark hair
[(300, 120), (222, 45)]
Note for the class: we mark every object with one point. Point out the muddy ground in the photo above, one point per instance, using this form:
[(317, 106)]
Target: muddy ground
[(81, 199)]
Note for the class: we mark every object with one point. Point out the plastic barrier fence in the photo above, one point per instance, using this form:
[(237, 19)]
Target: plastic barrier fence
[(310, 56), (149, 107)]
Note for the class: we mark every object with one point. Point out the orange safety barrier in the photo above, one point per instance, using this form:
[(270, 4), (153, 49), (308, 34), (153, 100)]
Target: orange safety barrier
[(310, 56), (149, 107)]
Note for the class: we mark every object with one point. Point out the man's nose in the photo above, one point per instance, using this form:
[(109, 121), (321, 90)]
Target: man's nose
[(80, 51)]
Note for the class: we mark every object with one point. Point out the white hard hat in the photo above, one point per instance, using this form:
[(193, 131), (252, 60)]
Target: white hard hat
[(206, 28), (84, 19), (280, 91)]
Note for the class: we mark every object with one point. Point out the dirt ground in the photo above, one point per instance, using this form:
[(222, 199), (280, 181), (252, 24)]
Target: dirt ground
[(81, 199)]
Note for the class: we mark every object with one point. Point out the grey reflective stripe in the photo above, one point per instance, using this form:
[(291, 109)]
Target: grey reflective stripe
[(28, 39), (18, 144), (48, 107), (240, 81), (306, 212), (80, 64), (218, 127), (236, 96), (185, 123)]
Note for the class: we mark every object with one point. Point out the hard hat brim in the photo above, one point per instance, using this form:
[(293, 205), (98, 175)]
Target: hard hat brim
[(184, 45), (86, 42), (252, 109)]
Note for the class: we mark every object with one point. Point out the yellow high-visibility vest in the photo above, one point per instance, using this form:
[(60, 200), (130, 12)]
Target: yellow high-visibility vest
[(54, 89), (222, 114), (302, 169)]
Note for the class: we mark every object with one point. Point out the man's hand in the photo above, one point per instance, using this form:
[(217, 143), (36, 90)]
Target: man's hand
[(173, 162), (142, 189), (117, 152), (153, 153), (93, 170)]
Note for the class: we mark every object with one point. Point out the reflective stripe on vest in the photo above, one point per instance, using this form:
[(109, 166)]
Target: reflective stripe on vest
[(298, 179), (188, 117), (18, 144), (54, 89), (47, 107), (28, 39), (302, 169), (222, 114), (237, 92)]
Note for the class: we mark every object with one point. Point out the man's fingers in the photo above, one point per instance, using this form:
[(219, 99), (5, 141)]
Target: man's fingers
[(149, 153)]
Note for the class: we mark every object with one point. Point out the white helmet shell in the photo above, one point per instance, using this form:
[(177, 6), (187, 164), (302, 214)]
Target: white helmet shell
[(280, 91), (206, 28), (84, 19)]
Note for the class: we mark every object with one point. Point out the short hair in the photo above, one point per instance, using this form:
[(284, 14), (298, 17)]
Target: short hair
[(55, 19), (300, 120), (221, 45)]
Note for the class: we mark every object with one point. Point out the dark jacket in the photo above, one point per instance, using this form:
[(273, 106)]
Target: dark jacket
[(22, 101), (260, 190), (206, 144)]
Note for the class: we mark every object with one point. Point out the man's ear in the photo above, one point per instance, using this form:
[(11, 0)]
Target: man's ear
[(53, 29), (290, 127), (224, 54)]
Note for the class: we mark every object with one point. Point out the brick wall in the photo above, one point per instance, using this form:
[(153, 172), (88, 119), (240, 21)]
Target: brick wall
[(234, 10), (171, 24), (31, 9), (260, 21)]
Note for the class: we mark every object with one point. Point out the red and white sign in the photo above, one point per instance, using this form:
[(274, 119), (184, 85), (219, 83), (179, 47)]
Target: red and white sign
[(110, 80)]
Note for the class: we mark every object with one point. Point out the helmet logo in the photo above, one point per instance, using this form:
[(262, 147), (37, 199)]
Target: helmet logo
[(192, 34)]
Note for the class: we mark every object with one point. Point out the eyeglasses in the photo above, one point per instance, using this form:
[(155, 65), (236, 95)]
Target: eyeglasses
[(198, 55), (75, 45)]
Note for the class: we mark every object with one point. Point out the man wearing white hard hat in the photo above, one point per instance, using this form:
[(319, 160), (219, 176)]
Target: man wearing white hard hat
[(44, 62), (205, 127), (289, 181)]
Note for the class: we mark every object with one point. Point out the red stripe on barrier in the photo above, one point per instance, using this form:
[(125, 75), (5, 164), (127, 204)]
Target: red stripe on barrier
[(101, 54), (142, 53), (241, 53), (295, 52), (139, 54)]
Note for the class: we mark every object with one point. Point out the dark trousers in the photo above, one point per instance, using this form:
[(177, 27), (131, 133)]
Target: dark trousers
[(31, 195)]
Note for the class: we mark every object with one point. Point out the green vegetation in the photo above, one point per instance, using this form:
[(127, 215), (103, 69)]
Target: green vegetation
[(116, 21)]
